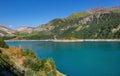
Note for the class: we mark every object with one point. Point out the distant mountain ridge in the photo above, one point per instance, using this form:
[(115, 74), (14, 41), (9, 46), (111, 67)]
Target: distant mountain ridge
[(4, 31), (96, 23)]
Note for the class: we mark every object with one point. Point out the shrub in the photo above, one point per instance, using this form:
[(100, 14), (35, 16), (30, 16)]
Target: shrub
[(3, 44)]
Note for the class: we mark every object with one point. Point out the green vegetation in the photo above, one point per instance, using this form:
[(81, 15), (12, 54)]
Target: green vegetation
[(2, 43), (9, 37), (3, 32), (39, 66), (19, 59), (98, 28), (35, 35), (78, 15), (7, 59)]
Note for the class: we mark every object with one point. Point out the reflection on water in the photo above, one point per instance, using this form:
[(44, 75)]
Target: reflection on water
[(79, 58)]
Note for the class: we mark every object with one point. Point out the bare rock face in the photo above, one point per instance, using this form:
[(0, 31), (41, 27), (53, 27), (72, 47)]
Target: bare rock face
[(4, 31), (26, 29), (97, 12), (87, 19), (2, 34), (115, 8), (114, 30)]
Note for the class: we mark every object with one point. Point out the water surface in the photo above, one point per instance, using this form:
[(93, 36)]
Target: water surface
[(79, 58)]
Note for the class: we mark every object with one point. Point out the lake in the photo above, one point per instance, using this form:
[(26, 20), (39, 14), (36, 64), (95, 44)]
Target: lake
[(78, 58)]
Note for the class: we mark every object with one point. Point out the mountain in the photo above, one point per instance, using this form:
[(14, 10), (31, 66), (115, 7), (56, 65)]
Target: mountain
[(25, 29), (4, 31), (96, 23)]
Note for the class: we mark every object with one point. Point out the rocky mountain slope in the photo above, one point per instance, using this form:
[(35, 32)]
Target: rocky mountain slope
[(4, 31), (25, 29)]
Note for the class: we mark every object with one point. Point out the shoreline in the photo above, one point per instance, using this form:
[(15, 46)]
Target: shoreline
[(79, 40)]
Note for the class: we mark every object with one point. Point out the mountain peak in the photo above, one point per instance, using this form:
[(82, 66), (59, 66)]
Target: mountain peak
[(25, 29)]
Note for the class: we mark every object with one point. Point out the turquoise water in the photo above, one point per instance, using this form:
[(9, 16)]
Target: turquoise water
[(79, 58)]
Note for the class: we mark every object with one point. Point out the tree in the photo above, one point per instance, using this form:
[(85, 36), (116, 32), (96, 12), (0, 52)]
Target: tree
[(3, 44)]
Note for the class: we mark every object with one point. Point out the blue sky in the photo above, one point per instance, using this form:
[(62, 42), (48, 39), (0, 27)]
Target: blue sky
[(16, 13)]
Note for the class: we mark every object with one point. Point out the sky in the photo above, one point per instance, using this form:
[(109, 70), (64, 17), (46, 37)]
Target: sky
[(17, 13)]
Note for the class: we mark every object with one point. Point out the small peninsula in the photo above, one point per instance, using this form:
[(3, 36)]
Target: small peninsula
[(20, 62)]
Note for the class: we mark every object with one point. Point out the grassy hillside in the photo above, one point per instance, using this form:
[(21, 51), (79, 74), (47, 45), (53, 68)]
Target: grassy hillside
[(98, 28)]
